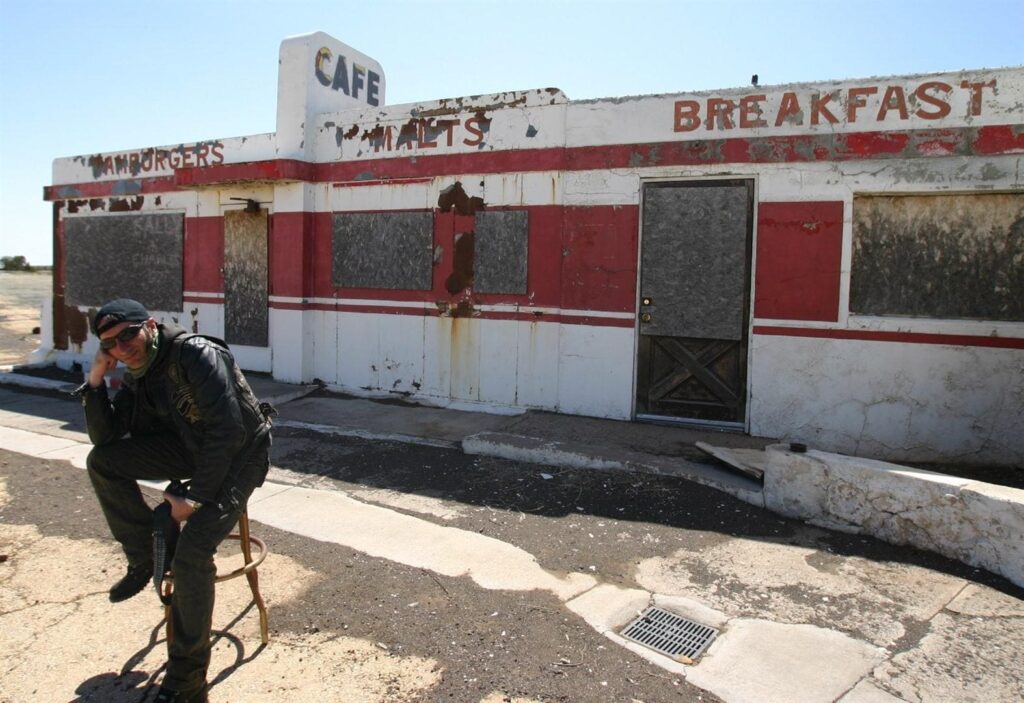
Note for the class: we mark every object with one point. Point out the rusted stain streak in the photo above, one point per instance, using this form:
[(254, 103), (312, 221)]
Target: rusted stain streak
[(455, 197), (461, 277)]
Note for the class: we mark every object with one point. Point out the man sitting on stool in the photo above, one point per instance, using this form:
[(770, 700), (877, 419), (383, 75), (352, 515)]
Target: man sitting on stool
[(185, 411)]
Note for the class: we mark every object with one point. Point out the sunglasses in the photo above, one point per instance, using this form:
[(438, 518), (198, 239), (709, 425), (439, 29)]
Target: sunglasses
[(124, 336)]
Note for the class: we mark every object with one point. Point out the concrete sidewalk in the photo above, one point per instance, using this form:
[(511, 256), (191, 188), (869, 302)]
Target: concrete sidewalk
[(858, 631)]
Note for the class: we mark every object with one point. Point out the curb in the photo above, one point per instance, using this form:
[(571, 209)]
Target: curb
[(579, 455)]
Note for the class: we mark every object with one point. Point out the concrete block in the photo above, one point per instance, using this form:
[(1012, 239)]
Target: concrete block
[(995, 517), (758, 661), (867, 692), (978, 523), (795, 485), (607, 608)]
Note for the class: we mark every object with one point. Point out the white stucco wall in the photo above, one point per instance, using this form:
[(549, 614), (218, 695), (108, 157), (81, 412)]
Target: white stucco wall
[(896, 401), (551, 366)]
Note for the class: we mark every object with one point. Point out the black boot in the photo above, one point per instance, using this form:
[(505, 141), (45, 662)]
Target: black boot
[(166, 695), (133, 582)]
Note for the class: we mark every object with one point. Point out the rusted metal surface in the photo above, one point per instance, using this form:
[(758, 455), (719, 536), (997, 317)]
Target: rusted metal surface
[(245, 278), (392, 250), (136, 256), (941, 256)]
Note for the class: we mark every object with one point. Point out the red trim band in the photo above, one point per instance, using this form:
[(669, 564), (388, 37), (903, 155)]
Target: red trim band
[(956, 340), (526, 316), (965, 141)]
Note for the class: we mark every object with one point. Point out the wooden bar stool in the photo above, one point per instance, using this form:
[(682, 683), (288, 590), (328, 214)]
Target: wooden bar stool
[(248, 569)]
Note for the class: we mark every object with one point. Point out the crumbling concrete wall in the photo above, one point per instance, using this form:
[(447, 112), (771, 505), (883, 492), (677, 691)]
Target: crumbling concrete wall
[(980, 524)]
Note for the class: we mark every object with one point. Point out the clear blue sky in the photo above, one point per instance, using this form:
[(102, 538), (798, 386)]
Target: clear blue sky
[(84, 77)]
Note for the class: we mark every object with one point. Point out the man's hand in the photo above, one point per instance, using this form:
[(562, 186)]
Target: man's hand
[(180, 509), (102, 362)]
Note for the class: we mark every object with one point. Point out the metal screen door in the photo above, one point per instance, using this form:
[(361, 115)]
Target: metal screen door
[(694, 301), (245, 278)]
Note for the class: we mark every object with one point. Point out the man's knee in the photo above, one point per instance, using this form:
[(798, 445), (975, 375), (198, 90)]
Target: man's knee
[(98, 462), (195, 557)]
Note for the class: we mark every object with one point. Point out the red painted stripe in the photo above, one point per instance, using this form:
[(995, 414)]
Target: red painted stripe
[(212, 300), (965, 141), (481, 314), (99, 189), (384, 182), (956, 340), (276, 170)]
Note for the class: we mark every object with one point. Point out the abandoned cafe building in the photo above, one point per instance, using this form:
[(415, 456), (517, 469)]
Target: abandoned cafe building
[(839, 263)]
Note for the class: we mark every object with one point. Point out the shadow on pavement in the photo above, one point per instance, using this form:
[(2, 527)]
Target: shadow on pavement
[(560, 493)]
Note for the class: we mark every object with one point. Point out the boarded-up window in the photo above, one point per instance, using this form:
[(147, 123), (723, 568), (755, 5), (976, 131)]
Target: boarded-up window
[(940, 256), (383, 250), (501, 251), (125, 256)]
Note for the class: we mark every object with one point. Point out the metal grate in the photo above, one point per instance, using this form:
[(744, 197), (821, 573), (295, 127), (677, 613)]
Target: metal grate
[(670, 634)]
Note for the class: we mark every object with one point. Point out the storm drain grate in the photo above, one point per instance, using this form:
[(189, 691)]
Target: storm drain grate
[(670, 634)]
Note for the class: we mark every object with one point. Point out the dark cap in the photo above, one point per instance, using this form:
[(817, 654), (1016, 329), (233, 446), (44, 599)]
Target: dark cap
[(117, 311)]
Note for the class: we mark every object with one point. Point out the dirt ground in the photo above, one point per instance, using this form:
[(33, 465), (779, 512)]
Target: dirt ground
[(20, 297), (344, 626)]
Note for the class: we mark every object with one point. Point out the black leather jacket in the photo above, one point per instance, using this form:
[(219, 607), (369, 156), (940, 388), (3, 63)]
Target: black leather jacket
[(193, 389)]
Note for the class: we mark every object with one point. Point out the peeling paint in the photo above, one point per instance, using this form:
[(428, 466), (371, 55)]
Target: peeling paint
[(127, 204), (77, 324), (455, 197), (146, 161), (461, 277), (127, 187)]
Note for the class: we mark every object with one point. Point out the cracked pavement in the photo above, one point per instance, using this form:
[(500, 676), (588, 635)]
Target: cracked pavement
[(364, 608)]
